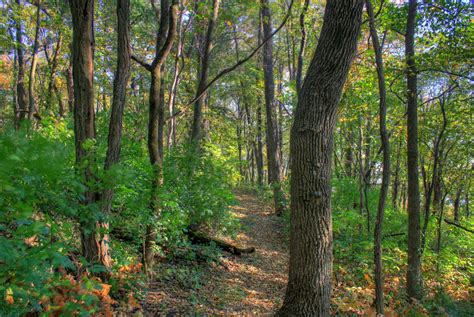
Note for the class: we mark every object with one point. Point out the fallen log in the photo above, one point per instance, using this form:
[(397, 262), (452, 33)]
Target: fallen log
[(200, 238)]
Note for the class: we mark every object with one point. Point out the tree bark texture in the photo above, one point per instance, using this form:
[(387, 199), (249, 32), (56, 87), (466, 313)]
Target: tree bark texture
[(122, 75), (84, 122), (312, 136), (414, 245)]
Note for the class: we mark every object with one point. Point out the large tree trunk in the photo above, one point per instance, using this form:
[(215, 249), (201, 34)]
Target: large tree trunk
[(34, 63), (22, 97), (84, 121), (273, 146), (122, 76), (309, 285), (378, 271), (205, 53), (414, 245)]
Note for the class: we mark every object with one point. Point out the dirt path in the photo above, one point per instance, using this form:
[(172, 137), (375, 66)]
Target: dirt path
[(238, 285)]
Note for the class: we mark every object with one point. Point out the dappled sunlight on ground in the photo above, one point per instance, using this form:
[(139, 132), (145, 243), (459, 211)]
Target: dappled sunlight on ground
[(239, 285)]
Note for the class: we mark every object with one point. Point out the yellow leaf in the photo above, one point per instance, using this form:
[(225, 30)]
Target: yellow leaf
[(9, 296)]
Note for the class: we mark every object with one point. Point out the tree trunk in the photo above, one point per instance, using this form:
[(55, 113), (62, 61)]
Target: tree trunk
[(122, 76), (164, 42), (21, 94), (299, 69), (430, 188), (378, 271), (54, 67), (84, 121), (396, 181), (174, 86), (34, 61), (70, 88), (273, 146), (259, 147), (205, 52), (457, 202), (309, 284), (414, 246)]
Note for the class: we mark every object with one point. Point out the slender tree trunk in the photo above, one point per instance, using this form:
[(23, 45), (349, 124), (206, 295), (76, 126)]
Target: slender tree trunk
[(309, 284), (174, 86), (273, 146), (396, 181), (299, 69), (414, 246), (259, 147), (54, 67), (431, 184), (34, 61), (122, 75), (21, 94), (457, 202), (378, 271), (164, 42), (70, 88), (205, 52)]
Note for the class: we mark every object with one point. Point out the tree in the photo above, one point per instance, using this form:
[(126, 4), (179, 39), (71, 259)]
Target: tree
[(309, 285), (273, 144), (414, 245), (204, 53), (21, 95), (378, 272), (122, 76), (156, 121), (34, 62), (84, 124)]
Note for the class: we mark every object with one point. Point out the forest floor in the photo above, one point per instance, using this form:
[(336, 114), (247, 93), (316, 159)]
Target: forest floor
[(234, 285)]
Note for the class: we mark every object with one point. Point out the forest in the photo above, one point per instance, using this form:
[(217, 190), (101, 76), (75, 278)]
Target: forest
[(236, 158)]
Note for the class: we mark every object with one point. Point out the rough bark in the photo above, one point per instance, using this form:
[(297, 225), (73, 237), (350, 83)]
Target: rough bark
[(414, 245), (122, 75), (378, 271), (309, 285), (273, 146), (21, 94), (84, 121), (205, 53)]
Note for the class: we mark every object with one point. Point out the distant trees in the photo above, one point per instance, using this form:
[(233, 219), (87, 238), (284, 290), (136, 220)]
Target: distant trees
[(273, 142), (309, 286)]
